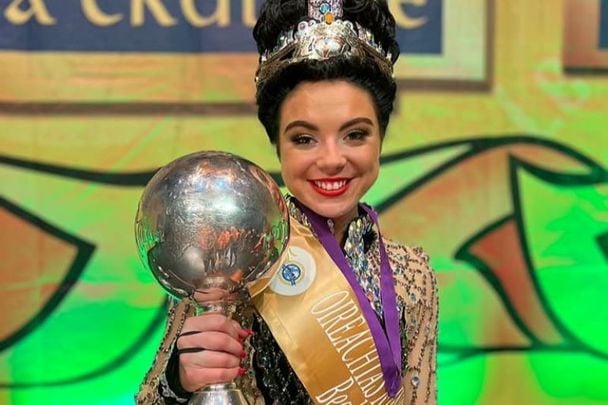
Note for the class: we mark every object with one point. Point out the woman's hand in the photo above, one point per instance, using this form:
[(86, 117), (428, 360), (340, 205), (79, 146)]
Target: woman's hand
[(210, 350)]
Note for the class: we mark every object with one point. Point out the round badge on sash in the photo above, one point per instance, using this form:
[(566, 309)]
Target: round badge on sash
[(296, 274)]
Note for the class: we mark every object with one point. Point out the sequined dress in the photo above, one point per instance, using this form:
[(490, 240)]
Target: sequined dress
[(271, 380)]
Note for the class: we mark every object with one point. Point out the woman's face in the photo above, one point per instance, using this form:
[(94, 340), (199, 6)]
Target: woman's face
[(329, 146)]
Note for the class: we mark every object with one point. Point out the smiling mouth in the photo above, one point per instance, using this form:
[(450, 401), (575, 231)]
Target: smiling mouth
[(330, 188)]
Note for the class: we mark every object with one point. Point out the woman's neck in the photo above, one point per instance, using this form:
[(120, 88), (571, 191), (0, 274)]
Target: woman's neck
[(340, 225)]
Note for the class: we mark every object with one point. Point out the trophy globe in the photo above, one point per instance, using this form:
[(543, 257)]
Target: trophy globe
[(207, 225)]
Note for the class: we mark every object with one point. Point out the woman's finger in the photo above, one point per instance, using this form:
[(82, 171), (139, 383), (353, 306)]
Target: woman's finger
[(211, 340), (209, 359), (212, 322), (243, 333), (193, 378)]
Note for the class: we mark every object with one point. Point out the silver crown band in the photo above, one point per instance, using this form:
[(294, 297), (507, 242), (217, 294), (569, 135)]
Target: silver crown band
[(322, 37)]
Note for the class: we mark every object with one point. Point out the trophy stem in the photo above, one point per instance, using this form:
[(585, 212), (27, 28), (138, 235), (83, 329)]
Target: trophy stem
[(219, 307), (225, 393), (219, 394)]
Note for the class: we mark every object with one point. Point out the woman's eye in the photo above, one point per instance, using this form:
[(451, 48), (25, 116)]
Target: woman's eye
[(357, 135), (302, 139)]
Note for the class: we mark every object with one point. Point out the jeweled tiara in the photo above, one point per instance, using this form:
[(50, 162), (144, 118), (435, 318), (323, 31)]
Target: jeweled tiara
[(323, 35)]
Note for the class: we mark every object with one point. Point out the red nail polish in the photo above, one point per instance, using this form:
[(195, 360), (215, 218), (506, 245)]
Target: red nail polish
[(243, 354), (249, 332), (242, 371)]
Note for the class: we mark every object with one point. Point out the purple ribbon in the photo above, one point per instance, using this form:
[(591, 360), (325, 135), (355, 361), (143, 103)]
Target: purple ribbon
[(389, 344)]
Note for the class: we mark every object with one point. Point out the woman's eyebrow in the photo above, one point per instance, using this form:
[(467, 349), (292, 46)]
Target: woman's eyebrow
[(312, 127), (300, 123), (358, 120)]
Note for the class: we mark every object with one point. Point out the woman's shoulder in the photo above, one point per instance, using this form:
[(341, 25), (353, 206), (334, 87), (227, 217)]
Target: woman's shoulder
[(404, 255), (411, 266)]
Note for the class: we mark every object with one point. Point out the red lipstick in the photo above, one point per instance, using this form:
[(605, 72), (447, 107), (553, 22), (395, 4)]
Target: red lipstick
[(330, 187)]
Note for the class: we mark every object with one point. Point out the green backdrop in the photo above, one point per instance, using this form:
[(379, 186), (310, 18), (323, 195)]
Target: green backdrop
[(495, 162)]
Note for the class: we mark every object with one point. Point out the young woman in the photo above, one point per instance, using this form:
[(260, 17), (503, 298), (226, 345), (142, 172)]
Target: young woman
[(350, 316)]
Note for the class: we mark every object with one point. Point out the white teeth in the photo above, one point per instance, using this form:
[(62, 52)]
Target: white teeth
[(330, 185)]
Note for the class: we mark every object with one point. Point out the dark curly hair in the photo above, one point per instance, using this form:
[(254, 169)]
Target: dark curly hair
[(277, 16)]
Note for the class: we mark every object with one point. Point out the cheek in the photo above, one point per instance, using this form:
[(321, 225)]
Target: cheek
[(373, 171), (373, 166), (371, 158), (296, 168), (294, 177), (292, 166)]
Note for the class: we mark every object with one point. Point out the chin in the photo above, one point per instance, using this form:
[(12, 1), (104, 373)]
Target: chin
[(333, 211)]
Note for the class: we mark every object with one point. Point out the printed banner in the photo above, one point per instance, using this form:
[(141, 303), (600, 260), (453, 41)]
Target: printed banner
[(170, 52)]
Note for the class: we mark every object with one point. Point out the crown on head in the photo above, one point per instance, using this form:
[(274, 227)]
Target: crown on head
[(323, 35)]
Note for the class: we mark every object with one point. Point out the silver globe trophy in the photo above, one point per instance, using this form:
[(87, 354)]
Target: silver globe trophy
[(208, 224)]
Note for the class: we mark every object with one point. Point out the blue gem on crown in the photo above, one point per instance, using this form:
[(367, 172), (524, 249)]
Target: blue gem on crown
[(325, 8)]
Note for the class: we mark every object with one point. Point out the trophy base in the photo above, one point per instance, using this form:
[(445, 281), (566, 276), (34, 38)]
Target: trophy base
[(219, 394)]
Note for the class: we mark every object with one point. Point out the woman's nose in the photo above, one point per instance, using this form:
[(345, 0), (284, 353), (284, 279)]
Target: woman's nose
[(331, 158)]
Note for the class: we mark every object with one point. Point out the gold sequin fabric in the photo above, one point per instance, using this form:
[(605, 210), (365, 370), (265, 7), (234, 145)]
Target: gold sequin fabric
[(270, 378)]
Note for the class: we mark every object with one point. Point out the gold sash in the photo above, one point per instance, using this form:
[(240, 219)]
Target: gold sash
[(316, 320)]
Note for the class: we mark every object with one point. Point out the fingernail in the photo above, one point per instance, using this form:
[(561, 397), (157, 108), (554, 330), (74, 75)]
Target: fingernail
[(249, 332), (243, 354), (242, 371)]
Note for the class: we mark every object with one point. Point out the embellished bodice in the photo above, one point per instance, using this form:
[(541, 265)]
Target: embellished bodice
[(270, 379)]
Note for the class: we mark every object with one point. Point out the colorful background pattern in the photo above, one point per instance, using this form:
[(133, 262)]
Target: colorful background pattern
[(496, 162)]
